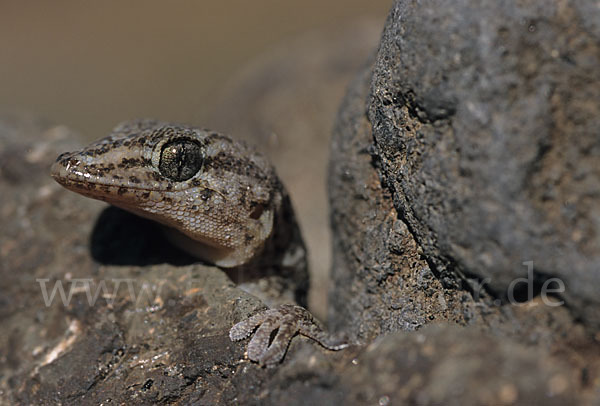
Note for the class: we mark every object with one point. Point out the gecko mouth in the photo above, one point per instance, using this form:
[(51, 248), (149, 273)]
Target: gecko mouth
[(98, 191), (77, 180), (117, 192), (129, 198)]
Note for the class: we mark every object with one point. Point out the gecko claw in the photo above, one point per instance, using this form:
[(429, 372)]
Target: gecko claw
[(286, 320)]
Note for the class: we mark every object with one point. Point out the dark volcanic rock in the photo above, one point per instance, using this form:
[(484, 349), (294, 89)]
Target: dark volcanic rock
[(444, 365), (469, 146), (381, 282), (485, 119)]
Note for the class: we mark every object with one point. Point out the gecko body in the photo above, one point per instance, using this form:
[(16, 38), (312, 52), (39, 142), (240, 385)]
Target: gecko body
[(220, 201)]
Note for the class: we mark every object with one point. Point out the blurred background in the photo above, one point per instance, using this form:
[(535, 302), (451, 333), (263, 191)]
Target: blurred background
[(91, 64), (269, 71)]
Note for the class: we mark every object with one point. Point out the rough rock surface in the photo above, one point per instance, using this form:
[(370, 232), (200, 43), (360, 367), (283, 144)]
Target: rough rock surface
[(482, 120), (451, 366), (468, 146), (381, 281), (485, 118)]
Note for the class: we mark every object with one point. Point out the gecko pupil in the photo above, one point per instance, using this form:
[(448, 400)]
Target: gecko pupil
[(180, 159)]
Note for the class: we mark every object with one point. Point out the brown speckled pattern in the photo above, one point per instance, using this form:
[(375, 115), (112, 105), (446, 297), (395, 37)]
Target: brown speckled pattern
[(288, 320), (233, 211), (217, 207)]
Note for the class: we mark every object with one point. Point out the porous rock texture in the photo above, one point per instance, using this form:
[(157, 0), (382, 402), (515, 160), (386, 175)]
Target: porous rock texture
[(466, 153), (482, 121)]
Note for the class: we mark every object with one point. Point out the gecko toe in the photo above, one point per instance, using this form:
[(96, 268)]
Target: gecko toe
[(259, 344), (244, 328), (276, 328)]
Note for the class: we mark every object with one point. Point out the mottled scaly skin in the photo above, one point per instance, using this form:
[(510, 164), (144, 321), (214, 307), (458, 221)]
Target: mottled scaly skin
[(288, 320), (220, 201)]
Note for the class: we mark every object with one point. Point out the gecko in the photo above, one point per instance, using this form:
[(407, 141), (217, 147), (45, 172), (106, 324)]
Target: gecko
[(219, 200)]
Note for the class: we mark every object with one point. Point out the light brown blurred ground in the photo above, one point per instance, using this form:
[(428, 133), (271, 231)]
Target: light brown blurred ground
[(272, 72)]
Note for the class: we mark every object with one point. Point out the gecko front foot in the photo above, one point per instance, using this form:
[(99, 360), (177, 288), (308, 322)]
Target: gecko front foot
[(287, 320)]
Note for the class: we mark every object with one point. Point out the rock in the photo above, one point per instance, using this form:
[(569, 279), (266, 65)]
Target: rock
[(485, 120), (381, 282), (452, 156), (451, 366)]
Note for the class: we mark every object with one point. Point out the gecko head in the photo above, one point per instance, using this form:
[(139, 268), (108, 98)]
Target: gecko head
[(218, 197)]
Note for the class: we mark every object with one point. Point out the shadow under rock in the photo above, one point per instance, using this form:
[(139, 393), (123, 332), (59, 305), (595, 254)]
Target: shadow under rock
[(122, 238)]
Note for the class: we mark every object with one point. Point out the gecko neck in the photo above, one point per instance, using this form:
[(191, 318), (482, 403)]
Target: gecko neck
[(279, 274)]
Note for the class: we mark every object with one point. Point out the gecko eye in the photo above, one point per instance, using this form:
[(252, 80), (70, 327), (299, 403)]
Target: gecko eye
[(180, 159)]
